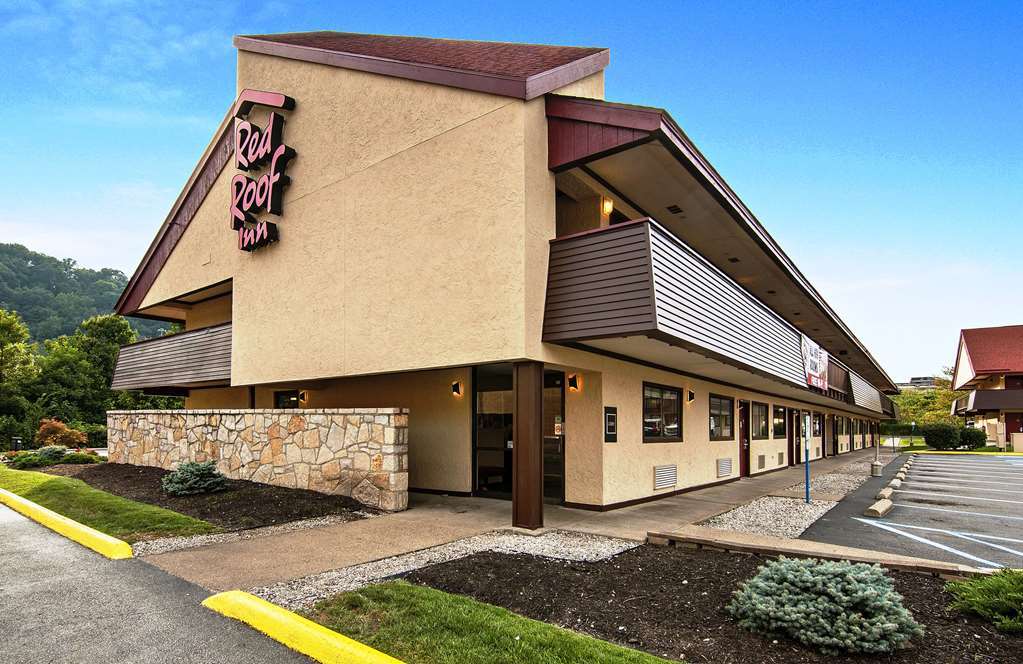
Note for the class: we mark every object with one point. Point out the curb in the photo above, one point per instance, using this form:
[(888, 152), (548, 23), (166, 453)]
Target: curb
[(298, 633), (880, 508), (101, 543)]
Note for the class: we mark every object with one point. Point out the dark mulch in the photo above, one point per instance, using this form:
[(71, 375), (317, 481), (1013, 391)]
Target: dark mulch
[(243, 505), (669, 602)]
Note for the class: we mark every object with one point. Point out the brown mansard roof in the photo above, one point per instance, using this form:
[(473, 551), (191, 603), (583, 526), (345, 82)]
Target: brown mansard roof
[(524, 71)]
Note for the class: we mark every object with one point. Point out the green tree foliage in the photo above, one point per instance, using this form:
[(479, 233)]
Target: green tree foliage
[(53, 296), (933, 406)]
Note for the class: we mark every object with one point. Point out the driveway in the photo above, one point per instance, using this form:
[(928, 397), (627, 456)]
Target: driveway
[(60, 602), (960, 509)]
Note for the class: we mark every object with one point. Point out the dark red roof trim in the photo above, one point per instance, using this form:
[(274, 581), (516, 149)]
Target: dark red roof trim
[(199, 184), (523, 71)]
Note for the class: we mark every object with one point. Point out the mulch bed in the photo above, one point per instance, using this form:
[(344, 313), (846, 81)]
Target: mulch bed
[(669, 602), (243, 505)]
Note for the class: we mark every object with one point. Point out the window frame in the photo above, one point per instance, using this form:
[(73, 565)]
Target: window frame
[(661, 439), (817, 424), (278, 394), (753, 420), (731, 417), (784, 422)]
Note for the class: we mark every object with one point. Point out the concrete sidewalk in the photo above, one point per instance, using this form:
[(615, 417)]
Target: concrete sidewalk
[(434, 520)]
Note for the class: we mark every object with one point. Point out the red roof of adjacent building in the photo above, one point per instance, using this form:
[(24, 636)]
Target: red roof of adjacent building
[(995, 350), (516, 70)]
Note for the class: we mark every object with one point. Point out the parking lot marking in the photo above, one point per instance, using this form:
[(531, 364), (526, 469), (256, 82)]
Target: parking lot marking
[(943, 509), (972, 537), (975, 466), (924, 540), (961, 488), (958, 480), (952, 495)]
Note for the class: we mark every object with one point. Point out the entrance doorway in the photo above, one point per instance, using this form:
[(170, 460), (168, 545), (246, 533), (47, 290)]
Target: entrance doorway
[(744, 434), (795, 439), (493, 420)]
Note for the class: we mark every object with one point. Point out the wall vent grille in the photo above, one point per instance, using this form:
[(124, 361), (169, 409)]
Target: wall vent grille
[(724, 467), (665, 477), (761, 461), (781, 458)]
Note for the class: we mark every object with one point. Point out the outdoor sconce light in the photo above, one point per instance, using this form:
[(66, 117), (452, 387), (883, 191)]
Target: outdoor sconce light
[(690, 396), (607, 206), (302, 396), (575, 382), (456, 388)]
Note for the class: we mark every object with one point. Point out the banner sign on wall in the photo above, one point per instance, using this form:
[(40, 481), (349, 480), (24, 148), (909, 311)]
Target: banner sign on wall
[(259, 149), (815, 364)]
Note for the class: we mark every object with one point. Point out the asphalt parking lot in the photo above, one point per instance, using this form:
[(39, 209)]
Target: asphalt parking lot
[(960, 509), (60, 602)]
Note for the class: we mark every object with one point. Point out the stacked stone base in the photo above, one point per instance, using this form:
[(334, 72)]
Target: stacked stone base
[(356, 452)]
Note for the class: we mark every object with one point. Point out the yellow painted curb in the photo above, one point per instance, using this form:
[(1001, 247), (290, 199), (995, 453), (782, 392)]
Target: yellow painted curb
[(294, 631), (970, 453), (101, 543)]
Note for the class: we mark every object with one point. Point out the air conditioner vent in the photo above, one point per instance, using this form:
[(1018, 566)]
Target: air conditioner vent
[(761, 461), (781, 458), (724, 467), (674, 209), (665, 477)]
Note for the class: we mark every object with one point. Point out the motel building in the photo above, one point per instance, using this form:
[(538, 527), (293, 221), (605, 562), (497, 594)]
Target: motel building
[(989, 363), (410, 264)]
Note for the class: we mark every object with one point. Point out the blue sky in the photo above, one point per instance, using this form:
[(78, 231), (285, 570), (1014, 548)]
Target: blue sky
[(880, 143)]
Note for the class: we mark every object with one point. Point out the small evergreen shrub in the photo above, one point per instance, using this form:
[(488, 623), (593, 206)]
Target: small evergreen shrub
[(27, 460), (940, 436), (973, 439), (81, 458), (832, 606), (997, 598), (52, 454), (192, 478)]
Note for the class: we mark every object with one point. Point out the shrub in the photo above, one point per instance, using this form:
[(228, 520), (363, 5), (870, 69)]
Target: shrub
[(998, 598), (940, 436), (95, 434), (833, 606), (51, 454), (28, 460), (81, 457), (55, 432), (191, 478), (973, 439)]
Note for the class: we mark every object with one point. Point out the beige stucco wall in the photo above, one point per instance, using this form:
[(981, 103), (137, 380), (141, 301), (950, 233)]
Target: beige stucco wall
[(210, 312)]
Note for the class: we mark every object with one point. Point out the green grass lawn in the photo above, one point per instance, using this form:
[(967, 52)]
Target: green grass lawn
[(427, 626), (107, 513)]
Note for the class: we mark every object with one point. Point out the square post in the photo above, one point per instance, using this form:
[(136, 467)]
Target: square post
[(527, 450)]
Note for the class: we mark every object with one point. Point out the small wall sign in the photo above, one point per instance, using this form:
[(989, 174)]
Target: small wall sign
[(257, 148), (610, 424)]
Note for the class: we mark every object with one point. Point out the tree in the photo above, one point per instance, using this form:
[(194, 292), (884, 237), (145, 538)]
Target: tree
[(931, 406), (17, 371)]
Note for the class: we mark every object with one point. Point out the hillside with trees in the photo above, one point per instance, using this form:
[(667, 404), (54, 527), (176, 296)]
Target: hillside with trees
[(54, 295)]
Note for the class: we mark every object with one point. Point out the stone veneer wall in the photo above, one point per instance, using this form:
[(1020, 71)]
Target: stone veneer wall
[(357, 452)]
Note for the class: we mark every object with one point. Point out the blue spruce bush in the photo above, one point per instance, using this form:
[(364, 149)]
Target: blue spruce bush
[(833, 606), (191, 478)]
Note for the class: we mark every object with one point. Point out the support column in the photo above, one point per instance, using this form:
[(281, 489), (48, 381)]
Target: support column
[(527, 452)]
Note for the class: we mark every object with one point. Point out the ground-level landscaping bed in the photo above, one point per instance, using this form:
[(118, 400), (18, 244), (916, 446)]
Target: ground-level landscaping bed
[(242, 505), (670, 602), (125, 519), (419, 624)]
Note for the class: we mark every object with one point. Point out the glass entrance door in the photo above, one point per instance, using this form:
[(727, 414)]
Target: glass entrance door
[(493, 394)]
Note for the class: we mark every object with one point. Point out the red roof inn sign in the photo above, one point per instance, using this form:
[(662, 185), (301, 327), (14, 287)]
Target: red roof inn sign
[(258, 150)]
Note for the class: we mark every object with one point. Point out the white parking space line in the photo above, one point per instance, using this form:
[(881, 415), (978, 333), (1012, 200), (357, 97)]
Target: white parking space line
[(945, 509), (952, 495), (957, 480), (961, 488), (972, 537), (943, 471), (924, 540), (975, 466), (976, 470)]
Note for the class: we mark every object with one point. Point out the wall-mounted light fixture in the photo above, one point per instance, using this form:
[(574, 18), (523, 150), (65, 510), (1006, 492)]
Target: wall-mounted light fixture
[(690, 396), (302, 397), (456, 388), (575, 382), (607, 206)]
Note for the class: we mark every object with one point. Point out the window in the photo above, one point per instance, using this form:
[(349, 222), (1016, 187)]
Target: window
[(722, 416), (662, 414), (779, 422), (760, 423), (818, 424), (286, 399)]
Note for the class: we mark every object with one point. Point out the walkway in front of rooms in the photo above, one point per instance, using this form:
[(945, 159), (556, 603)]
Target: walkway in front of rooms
[(433, 520)]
